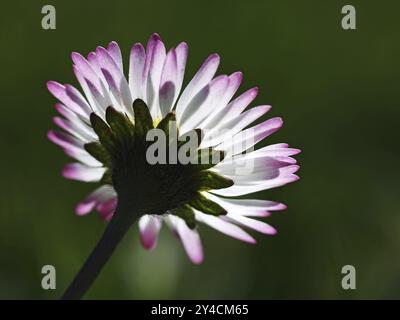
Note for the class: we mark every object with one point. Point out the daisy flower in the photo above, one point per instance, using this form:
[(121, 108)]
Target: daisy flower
[(104, 129)]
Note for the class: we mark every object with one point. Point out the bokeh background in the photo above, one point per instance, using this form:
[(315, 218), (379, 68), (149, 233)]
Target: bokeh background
[(338, 92)]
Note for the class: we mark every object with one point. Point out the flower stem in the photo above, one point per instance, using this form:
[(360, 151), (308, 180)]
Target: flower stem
[(113, 234)]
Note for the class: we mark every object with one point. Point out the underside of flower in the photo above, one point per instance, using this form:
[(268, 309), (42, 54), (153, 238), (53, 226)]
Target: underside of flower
[(105, 130), (171, 187)]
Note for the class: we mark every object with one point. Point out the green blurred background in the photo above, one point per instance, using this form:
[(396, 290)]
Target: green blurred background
[(338, 92)]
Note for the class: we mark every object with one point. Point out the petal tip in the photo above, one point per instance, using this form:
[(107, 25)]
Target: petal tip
[(137, 46), (280, 206), (155, 37), (51, 85), (81, 209), (238, 75), (215, 56), (148, 245), (50, 135), (75, 56), (183, 45), (112, 44), (197, 260), (272, 232), (66, 171), (148, 242)]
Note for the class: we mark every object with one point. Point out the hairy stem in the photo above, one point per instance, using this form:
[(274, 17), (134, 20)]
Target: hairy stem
[(122, 220)]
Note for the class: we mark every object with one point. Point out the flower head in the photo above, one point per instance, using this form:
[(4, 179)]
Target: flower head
[(106, 131)]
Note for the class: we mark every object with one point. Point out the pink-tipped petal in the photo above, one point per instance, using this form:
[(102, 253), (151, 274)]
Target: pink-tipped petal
[(97, 97), (100, 195), (277, 150), (181, 57), (246, 207), (149, 227), (224, 227), (201, 79), (65, 140), (237, 106), (59, 91), (107, 208), (86, 69), (168, 83), (228, 129), (256, 225), (286, 175), (75, 128), (81, 172), (191, 242), (155, 57), (136, 65), (215, 119), (115, 79), (246, 139), (115, 52), (190, 239), (203, 103)]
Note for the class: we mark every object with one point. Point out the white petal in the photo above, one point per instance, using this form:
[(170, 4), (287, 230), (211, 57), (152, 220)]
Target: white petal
[(87, 69), (233, 126), (201, 79), (189, 238), (72, 116), (181, 58), (83, 157), (101, 194), (136, 65), (78, 106), (155, 57), (77, 129), (98, 100), (224, 227), (276, 150), (256, 225), (285, 176), (237, 106), (203, 103), (243, 167), (169, 77), (246, 207), (246, 139), (116, 80), (66, 141), (149, 229), (81, 172), (220, 110), (115, 52)]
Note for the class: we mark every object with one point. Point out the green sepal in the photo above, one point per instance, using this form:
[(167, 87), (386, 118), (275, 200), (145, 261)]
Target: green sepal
[(211, 180), (97, 151), (164, 123), (186, 213), (107, 177), (120, 124), (143, 119), (103, 131), (205, 205)]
